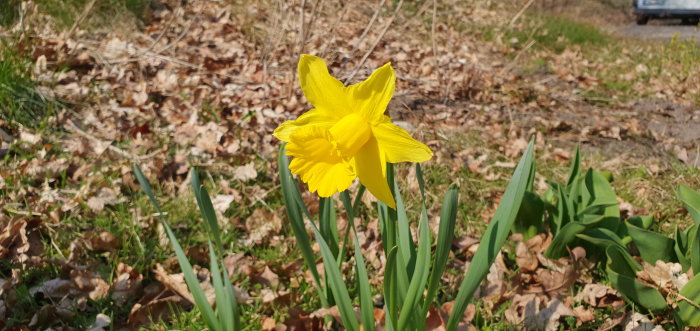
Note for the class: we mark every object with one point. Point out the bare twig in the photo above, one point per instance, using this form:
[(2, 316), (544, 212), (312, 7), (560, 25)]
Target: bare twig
[(368, 27), (302, 34), (516, 58), (520, 13), (376, 42), (420, 12), (434, 45), (79, 20), (312, 18), (74, 128), (336, 23), (302, 41)]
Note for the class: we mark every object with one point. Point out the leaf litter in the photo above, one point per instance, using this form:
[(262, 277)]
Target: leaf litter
[(206, 83)]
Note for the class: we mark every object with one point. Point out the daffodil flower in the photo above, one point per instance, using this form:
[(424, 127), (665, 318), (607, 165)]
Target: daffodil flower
[(347, 135)]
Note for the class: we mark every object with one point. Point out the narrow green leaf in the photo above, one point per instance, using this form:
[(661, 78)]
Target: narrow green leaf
[(233, 300), (405, 238), (421, 181), (147, 188), (387, 228), (494, 236), (337, 285), (193, 282), (224, 306), (681, 246), (358, 199), (691, 200), (207, 210), (291, 196), (327, 223), (564, 237), (652, 246), (366, 305), (420, 275), (695, 252), (575, 170), (190, 278), (390, 291), (601, 237), (689, 311), (443, 245), (621, 270)]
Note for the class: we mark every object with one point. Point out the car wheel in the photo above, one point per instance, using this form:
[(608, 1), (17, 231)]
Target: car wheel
[(642, 19)]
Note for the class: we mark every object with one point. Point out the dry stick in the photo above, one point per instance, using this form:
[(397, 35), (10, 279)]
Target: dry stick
[(368, 27), (72, 127), (312, 18), (340, 17), (420, 12), (376, 42), (80, 19), (302, 34), (435, 55), (162, 33), (520, 13), (301, 47), (516, 58)]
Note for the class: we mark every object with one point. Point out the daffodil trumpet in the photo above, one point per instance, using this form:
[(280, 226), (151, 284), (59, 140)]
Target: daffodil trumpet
[(347, 134)]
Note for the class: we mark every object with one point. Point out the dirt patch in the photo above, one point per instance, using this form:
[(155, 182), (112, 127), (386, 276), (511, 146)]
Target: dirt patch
[(663, 30)]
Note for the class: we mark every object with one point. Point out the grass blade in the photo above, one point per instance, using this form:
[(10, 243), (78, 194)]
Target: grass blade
[(494, 236)]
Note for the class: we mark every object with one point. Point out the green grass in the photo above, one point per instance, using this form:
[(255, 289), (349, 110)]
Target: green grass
[(557, 33), (104, 14), (20, 101), (10, 12)]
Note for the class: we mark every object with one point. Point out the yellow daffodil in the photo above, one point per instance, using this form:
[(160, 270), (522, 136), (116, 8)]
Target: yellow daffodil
[(347, 134)]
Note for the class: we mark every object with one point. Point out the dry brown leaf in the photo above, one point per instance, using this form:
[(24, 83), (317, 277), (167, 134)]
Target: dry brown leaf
[(598, 295), (105, 197), (245, 172), (583, 315), (104, 242), (639, 322), (87, 282), (300, 320), (102, 322), (260, 226), (268, 278), (176, 283), (269, 324), (126, 285), (155, 307)]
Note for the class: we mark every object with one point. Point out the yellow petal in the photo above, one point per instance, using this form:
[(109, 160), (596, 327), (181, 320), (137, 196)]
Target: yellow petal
[(350, 134), (371, 96), (312, 117), (368, 164), (318, 162), (321, 89), (398, 145)]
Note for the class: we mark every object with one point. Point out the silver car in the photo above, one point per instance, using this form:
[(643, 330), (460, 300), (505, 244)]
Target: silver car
[(688, 10)]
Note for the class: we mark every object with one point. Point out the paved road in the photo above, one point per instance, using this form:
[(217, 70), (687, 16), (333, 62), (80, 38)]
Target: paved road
[(662, 30)]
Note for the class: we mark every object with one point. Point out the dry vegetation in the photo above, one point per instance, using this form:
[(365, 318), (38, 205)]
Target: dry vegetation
[(87, 92)]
